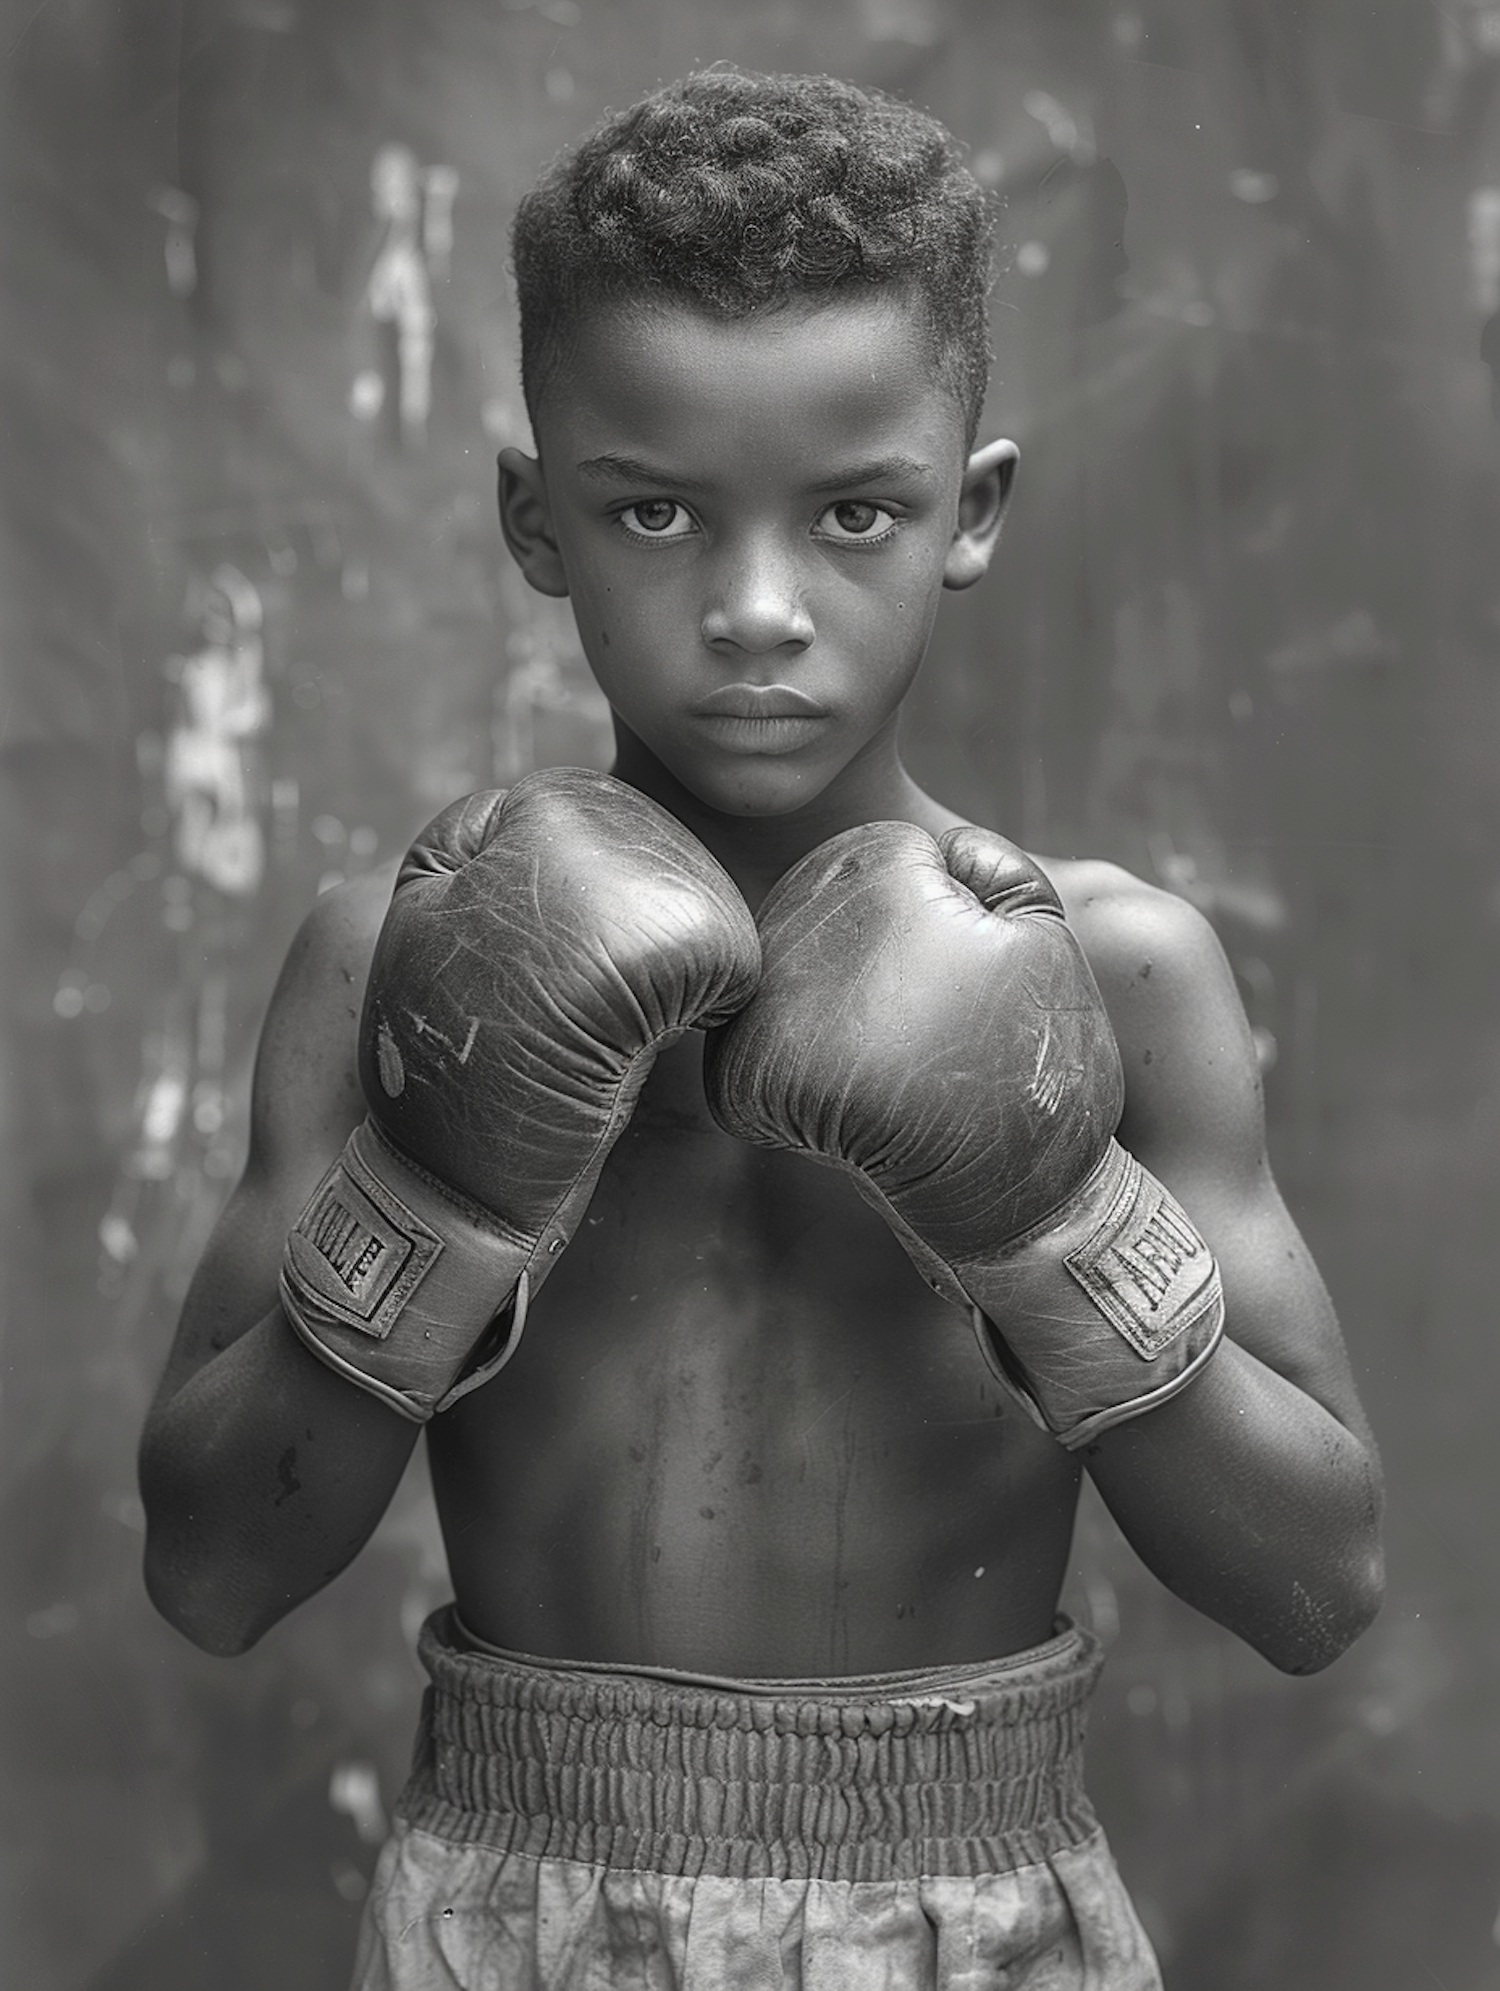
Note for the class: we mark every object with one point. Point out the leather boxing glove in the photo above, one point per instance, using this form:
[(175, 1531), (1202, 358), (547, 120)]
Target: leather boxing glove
[(541, 946), (926, 1019)]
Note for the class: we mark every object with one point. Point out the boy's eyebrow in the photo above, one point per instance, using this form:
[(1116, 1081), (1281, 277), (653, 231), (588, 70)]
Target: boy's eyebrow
[(615, 468), (878, 470)]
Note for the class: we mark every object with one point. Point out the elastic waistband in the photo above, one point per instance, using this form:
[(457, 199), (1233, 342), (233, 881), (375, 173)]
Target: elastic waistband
[(963, 1770)]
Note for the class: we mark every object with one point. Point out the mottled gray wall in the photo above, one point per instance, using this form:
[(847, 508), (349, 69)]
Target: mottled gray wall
[(1244, 635)]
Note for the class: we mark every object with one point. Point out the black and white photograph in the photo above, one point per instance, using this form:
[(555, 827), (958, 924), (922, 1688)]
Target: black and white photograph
[(750, 1084)]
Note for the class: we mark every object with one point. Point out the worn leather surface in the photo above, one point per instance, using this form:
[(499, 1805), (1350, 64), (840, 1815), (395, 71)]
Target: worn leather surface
[(542, 944), (942, 1034)]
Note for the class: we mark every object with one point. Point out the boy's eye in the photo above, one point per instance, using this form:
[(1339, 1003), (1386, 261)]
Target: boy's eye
[(657, 518), (856, 518)]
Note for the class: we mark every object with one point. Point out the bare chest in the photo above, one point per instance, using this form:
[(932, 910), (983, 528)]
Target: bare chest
[(735, 1394)]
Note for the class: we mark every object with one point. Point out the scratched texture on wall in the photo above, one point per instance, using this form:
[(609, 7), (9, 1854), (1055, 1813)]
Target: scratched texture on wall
[(256, 625)]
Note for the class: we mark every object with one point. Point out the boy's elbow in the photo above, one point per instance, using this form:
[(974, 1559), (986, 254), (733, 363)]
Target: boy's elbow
[(1338, 1593), (1318, 1629), (216, 1617), (195, 1571)]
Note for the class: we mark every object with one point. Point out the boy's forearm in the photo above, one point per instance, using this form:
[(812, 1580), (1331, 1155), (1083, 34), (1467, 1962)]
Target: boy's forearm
[(262, 1475), (1254, 1504)]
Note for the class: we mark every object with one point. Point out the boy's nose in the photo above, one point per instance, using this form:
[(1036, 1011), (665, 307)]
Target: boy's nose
[(758, 604)]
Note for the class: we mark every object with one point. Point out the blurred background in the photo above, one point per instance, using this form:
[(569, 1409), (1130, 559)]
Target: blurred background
[(257, 353)]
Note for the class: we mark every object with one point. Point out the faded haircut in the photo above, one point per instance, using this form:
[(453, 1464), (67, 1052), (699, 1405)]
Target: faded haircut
[(735, 193)]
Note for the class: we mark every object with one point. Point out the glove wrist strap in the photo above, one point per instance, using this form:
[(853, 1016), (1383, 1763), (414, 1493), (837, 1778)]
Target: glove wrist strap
[(393, 1280), (1110, 1308)]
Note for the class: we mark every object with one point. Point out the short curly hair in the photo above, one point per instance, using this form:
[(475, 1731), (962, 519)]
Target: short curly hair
[(735, 192)]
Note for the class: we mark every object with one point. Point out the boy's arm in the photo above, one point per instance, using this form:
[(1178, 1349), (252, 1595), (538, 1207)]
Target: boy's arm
[(1255, 1494), (262, 1471), (540, 948)]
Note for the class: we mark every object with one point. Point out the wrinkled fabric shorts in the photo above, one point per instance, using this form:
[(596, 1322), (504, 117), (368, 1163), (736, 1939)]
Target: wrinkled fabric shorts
[(578, 1828)]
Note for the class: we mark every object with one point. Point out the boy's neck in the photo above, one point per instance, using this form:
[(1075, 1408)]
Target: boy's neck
[(756, 850)]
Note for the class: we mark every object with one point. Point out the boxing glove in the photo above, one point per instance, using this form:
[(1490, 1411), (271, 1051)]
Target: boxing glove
[(926, 1020), (541, 947)]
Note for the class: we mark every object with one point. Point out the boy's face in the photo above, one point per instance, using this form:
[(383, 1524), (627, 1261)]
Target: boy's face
[(754, 520)]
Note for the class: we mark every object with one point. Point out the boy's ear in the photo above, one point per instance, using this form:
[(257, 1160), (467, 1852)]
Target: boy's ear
[(526, 521), (982, 499)]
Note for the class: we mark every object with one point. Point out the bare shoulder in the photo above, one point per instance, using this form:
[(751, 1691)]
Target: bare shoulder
[(306, 1093), (1132, 932), (339, 932), (1185, 1043)]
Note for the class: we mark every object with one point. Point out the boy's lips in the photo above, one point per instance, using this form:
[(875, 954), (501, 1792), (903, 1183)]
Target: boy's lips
[(760, 719), (758, 701)]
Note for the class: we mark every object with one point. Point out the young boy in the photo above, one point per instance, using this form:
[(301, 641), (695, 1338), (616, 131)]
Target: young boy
[(754, 1674)]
